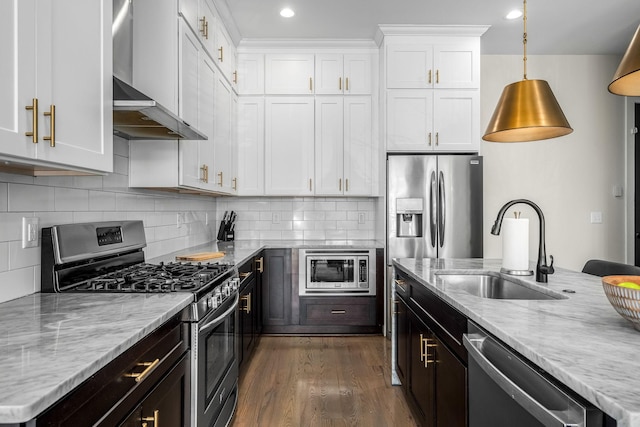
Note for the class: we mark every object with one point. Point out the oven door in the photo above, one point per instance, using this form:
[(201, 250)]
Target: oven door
[(217, 365)]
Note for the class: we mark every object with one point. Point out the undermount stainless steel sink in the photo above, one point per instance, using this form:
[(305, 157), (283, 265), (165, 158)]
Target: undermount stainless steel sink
[(494, 286)]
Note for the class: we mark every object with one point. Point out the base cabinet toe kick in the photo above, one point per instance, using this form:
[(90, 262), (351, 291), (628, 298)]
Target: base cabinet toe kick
[(454, 373)]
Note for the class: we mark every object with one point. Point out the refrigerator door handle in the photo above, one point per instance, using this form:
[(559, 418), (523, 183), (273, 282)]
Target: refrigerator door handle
[(432, 209), (442, 213)]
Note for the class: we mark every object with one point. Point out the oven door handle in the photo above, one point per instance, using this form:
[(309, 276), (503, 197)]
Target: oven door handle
[(208, 325)]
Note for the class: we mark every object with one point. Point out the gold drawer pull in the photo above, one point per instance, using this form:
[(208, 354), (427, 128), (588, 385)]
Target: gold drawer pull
[(155, 418), (260, 264), (429, 76), (311, 84), (235, 183), (235, 77), (245, 275), (150, 366), (52, 126), (437, 76), (339, 83), (221, 180), (221, 51), (247, 307), (338, 311), (34, 113), (346, 84)]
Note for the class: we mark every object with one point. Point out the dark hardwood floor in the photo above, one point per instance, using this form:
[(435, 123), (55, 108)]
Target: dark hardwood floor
[(321, 381)]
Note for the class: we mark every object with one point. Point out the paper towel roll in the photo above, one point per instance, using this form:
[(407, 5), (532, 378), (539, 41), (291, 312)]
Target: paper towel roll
[(515, 244)]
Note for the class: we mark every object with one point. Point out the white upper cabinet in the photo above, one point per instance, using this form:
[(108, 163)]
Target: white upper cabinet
[(224, 146), (338, 74), (250, 146), (225, 55), (289, 144), (433, 120), (289, 74), (251, 73), (74, 115), (343, 146), (202, 18), (418, 64)]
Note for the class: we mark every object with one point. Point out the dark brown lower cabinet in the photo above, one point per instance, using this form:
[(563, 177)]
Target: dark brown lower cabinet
[(276, 290), (248, 312), (433, 377)]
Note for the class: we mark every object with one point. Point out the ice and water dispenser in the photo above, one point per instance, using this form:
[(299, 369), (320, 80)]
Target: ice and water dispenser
[(409, 213)]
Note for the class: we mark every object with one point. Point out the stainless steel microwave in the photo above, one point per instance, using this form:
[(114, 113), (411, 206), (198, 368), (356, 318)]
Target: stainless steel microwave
[(337, 272)]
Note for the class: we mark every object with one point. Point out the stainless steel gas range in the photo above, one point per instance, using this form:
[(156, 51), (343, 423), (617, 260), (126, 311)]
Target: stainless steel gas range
[(108, 257)]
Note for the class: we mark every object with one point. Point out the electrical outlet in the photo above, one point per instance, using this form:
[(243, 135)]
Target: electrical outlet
[(275, 218), (30, 232), (361, 218), (596, 217)]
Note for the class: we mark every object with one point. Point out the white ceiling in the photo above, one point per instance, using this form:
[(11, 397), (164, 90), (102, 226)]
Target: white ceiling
[(554, 26)]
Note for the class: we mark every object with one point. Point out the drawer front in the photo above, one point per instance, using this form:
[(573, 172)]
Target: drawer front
[(354, 311)]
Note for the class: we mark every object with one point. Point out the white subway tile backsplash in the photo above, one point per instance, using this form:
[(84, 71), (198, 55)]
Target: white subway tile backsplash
[(271, 235), (121, 165), (315, 235), (292, 235), (346, 206), (4, 197), (4, 256), (120, 147), (71, 199), (336, 234), (30, 198), (102, 201), (86, 217), (21, 258), (87, 182), (336, 215), (11, 228), (17, 283), (325, 206), (18, 179), (314, 216)]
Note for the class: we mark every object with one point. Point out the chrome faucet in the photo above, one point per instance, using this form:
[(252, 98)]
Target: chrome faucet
[(542, 269)]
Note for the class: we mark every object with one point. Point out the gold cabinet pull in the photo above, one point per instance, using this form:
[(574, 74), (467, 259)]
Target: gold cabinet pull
[(235, 77), (203, 23), (340, 184), (339, 83), (260, 264), (204, 169), (220, 179), (346, 84), (247, 307), (399, 282), (437, 142), (235, 183), (429, 76), (346, 184), (395, 304), (52, 126), (155, 418), (425, 344), (245, 275), (310, 184), (437, 76), (34, 114), (311, 84), (338, 311), (429, 139), (206, 30), (150, 366), (221, 52)]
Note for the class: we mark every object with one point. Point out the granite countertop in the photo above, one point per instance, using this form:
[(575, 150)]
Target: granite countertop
[(582, 341), (50, 343)]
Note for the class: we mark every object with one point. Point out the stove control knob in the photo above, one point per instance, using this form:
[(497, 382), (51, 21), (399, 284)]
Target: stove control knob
[(235, 283), (211, 302), (226, 289)]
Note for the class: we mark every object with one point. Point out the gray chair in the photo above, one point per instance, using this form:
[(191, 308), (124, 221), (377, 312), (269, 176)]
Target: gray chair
[(601, 268)]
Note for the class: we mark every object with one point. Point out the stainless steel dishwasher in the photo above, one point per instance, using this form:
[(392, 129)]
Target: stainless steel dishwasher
[(504, 390)]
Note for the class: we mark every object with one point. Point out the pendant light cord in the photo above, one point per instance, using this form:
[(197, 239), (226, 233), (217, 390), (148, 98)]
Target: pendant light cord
[(524, 39)]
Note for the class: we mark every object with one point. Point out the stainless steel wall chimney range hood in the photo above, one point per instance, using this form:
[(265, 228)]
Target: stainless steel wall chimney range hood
[(135, 115)]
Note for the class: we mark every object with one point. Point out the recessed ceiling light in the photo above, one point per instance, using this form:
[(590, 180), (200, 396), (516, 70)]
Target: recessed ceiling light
[(287, 13), (514, 14)]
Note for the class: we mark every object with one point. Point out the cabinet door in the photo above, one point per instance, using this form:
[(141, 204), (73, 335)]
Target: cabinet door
[(409, 66), (276, 288), (456, 120), (169, 401), (422, 370), (409, 120), (329, 146), (403, 339), (208, 77), (251, 146), (457, 65), (357, 146), (69, 48), (191, 14), (289, 74), (222, 139), (329, 76), (189, 51), (17, 78), (225, 53), (357, 74), (251, 74), (246, 322), (451, 388), (289, 131)]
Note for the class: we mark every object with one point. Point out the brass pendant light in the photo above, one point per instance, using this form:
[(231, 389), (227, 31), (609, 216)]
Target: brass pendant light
[(626, 81), (527, 110)]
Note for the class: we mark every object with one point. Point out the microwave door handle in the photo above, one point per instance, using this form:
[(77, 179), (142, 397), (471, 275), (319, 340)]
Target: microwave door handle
[(520, 396), (231, 309)]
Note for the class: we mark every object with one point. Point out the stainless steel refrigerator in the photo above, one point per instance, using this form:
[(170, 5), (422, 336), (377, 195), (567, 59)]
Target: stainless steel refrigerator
[(434, 206)]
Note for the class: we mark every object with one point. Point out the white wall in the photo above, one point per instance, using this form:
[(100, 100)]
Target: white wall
[(62, 200), (568, 177)]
